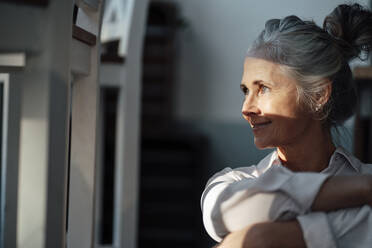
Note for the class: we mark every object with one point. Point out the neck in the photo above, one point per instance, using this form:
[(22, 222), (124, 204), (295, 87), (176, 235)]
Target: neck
[(310, 153)]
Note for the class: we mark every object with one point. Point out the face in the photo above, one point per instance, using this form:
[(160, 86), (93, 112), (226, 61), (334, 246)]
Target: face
[(271, 106)]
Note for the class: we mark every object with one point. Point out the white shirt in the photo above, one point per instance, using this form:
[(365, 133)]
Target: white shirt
[(234, 199)]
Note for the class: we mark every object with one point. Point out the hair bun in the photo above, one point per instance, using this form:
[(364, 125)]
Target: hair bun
[(351, 27)]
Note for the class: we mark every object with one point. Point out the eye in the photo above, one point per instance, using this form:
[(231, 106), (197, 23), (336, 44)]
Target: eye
[(244, 89), (263, 89)]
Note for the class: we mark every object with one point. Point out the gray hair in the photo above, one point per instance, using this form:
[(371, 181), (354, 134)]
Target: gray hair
[(315, 56)]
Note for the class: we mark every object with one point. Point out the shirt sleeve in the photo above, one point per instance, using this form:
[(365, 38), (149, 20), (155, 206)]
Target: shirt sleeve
[(343, 228), (352, 226), (233, 200), (316, 230)]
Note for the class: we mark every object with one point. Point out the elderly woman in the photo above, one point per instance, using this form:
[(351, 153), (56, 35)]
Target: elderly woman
[(307, 193)]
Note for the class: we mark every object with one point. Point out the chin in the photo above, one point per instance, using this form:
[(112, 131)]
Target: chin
[(261, 145)]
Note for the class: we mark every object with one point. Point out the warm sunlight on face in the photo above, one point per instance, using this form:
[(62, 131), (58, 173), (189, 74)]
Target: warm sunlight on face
[(271, 106)]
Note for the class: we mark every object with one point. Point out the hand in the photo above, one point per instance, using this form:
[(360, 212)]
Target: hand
[(248, 237), (234, 240)]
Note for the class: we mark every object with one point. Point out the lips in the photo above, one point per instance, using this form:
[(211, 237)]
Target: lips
[(260, 125)]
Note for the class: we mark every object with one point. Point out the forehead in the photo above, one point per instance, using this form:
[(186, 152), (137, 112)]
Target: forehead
[(256, 69)]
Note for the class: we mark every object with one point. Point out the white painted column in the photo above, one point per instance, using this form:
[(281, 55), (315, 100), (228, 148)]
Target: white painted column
[(85, 96), (128, 132), (127, 78), (10, 152), (38, 110), (33, 155)]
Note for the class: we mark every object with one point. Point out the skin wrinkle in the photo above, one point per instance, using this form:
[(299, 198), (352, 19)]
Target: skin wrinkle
[(292, 129)]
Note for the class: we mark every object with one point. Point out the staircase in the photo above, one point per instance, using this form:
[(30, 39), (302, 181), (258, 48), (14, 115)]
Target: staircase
[(170, 160)]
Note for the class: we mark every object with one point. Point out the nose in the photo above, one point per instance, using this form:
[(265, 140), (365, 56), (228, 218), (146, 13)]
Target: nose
[(250, 107)]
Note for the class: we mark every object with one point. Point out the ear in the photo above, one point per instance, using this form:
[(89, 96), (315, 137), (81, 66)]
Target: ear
[(325, 94)]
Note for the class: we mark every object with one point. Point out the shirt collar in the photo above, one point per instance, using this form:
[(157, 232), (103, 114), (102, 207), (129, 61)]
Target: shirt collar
[(270, 160), (273, 159), (350, 159)]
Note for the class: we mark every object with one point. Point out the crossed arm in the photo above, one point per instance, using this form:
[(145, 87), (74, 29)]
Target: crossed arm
[(336, 192), (266, 235)]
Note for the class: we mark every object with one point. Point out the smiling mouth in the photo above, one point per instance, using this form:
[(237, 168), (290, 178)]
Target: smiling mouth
[(257, 126)]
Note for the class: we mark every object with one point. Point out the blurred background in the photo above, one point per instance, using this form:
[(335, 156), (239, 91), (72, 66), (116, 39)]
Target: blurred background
[(115, 113)]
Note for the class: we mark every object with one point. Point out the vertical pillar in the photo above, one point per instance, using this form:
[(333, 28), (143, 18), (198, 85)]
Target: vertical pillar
[(128, 130), (38, 110), (84, 109), (9, 163)]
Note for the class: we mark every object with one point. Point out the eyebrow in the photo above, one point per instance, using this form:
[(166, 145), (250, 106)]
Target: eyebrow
[(258, 82)]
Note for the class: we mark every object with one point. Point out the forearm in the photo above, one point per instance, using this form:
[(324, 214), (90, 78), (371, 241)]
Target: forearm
[(281, 234), (336, 193), (278, 194), (340, 192), (268, 234)]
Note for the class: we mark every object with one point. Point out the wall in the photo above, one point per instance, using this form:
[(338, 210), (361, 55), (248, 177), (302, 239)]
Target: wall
[(213, 48)]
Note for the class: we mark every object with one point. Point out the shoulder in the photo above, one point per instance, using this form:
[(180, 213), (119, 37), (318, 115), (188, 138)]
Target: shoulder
[(356, 164), (365, 168), (240, 173)]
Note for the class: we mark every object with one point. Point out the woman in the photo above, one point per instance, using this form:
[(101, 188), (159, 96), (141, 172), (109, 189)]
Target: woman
[(308, 193)]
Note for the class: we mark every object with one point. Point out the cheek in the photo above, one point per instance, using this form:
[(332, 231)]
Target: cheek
[(282, 107), (288, 130)]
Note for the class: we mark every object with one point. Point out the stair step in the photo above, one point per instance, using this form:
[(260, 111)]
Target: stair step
[(166, 234), (109, 59), (164, 156), (157, 183), (84, 36), (169, 209), (41, 3)]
